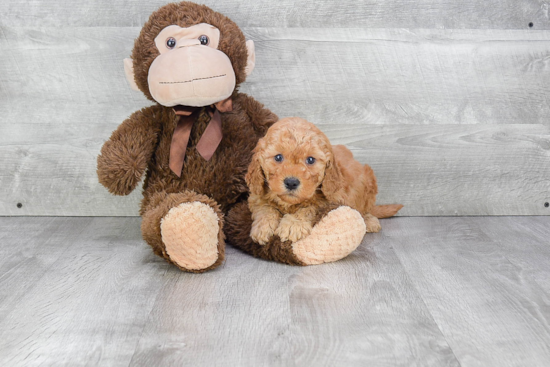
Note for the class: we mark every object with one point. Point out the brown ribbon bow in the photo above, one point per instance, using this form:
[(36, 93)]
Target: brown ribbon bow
[(210, 139)]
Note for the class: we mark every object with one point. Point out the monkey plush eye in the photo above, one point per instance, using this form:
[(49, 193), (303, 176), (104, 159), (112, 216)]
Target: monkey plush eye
[(171, 42), (310, 160), (278, 158), (204, 40)]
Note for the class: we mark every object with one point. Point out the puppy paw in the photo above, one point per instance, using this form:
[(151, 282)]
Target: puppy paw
[(293, 229), (263, 229), (373, 224)]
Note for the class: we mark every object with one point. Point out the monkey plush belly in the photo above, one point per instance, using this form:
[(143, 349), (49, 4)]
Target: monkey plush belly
[(221, 177)]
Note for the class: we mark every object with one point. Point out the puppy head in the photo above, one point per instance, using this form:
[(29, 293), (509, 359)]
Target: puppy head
[(289, 162)]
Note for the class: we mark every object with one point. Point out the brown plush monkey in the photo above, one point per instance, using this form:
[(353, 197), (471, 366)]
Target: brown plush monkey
[(195, 143)]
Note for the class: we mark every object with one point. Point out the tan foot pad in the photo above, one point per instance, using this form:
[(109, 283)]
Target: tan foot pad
[(190, 233), (337, 235)]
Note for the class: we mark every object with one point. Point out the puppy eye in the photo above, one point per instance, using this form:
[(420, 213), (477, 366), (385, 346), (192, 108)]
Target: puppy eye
[(310, 160), (204, 40), (278, 158), (171, 42)]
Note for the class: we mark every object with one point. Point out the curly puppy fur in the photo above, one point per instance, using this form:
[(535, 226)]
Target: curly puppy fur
[(295, 172)]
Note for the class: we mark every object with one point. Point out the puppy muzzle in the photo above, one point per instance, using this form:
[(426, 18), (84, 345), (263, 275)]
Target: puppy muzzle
[(291, 183)]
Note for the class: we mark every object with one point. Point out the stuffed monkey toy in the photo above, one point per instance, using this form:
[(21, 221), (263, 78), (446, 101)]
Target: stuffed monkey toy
[(195, 143)]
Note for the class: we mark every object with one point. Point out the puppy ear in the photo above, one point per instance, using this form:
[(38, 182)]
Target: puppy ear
[(332, 183), (255, 177)]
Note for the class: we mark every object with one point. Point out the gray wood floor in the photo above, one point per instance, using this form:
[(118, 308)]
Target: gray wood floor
[(469, 291)]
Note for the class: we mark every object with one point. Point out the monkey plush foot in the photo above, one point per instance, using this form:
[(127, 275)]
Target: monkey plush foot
[(190, 233), (338, 230), (334, 237)]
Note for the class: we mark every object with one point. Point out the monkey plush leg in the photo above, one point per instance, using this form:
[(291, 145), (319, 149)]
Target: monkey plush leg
[(337, 231), (186, 229)]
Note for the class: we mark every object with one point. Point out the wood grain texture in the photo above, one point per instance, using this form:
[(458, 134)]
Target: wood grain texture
[(488, 307), (74, 76), (518, 238), (507, 14), (363, 311), (455, 169), (75, 294), (237, 315), (423, 292), (37, 245), (399, 76), (431, 96)]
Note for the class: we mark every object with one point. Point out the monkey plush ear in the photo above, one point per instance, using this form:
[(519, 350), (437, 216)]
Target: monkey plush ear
[(251, 59), (129, 71)]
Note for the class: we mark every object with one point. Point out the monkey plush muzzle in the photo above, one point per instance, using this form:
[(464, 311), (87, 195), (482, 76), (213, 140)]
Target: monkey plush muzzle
[(192, 75)]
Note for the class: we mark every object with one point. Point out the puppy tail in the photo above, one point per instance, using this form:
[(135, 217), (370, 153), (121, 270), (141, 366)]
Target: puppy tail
[(385, 211)]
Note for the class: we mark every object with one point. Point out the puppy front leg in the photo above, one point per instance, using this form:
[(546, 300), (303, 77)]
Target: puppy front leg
[(265, 220), (294, 227)]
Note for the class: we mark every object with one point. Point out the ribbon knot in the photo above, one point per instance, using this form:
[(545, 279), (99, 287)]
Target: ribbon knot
[(210, 139)]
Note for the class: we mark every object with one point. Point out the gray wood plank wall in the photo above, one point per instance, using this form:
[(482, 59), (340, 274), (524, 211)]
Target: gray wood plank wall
[(448, 101)]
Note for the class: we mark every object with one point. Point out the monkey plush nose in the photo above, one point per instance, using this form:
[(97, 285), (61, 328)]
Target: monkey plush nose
[(291, 183), (187, 43)]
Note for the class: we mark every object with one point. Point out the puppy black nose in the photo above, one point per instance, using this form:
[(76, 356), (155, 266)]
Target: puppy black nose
[(291, 183)]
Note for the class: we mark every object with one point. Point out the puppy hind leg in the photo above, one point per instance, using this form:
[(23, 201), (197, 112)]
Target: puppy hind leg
[(385, 211), (372, 223)]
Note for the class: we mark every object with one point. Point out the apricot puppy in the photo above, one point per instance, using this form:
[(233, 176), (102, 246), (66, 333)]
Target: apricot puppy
[(295, 171)]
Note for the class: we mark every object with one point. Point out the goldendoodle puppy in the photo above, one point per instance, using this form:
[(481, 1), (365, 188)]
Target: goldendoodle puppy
[(295, 172)]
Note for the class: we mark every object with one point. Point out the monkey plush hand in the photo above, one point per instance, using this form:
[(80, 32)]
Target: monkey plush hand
[(195, 144)]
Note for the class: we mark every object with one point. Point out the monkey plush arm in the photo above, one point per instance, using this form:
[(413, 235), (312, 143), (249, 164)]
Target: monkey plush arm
[(124, 157), (261, 117)]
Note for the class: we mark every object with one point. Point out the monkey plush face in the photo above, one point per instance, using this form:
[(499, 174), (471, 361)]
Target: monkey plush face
[(189, 55), (190, 69)]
